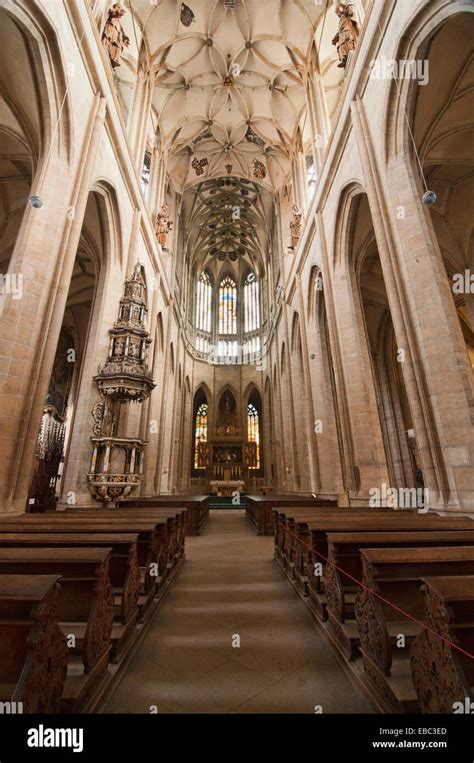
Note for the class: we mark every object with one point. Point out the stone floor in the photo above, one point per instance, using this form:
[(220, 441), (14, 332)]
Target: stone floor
[(231, 590)]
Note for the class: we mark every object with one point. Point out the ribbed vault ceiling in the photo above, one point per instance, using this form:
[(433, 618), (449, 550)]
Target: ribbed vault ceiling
[(228, 220), (229, 91)]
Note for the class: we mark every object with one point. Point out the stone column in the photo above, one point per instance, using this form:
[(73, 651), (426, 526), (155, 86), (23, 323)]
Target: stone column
[(365, 464), (318, 118), (44, 253), (437, 374), (103, 315), (308, 410), (300, 180), (321, 112), (138, 117), (156, 180)]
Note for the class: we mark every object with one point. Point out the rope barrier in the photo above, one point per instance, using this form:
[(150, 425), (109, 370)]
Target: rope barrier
[(378, 595)]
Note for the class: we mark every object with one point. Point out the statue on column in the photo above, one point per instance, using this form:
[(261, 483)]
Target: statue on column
[(114, 38), (295, 226), (163, 225), (347, 35)]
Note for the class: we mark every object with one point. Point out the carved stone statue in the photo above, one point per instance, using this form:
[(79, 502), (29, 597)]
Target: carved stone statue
[(114, 38), (295, 226), (163, 225), (347, 35)]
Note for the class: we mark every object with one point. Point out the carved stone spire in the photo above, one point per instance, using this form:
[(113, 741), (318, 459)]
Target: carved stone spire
[(125, 375)]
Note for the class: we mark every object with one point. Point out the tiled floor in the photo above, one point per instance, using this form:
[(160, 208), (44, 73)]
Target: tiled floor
[(231, 590)]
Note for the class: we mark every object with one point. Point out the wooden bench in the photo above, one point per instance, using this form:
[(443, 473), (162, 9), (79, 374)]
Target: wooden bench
[(285, 521), (153, 543), (259, 508), (124, 568), (344, 555), (395, 574), (197, 508), (313, 547), (442, 675), (175, 518), (33, 649), (85, 612)]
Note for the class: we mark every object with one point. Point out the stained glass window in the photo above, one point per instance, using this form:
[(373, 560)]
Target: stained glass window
[(253, 435), (200, 435), (227, 306), (251, 303), (204, 303)]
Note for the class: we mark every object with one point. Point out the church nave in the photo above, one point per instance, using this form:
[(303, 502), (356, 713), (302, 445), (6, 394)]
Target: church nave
[(231, 587)]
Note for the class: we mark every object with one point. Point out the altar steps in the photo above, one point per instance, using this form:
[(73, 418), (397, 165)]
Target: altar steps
[(222, 502)]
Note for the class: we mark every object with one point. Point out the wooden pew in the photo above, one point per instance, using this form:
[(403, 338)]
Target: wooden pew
[(344, 555), (85, 611), (395, 574), (175, 517), (153, 543), (287, 547), (124, 569), (197, 508), (259, 508), (441, 674), (33, 649), (313, 547)]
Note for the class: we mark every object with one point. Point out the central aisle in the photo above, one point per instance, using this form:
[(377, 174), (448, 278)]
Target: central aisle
[(230, 587)]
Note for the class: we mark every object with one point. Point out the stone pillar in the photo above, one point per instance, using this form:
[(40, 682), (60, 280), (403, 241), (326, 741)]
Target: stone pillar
[(365, 463), (325, 420), (307, 408), (103, 316), (300, 181), (318, 99), (437, 374), (44, 253), (155, 192), (318, 118), (138, 117)]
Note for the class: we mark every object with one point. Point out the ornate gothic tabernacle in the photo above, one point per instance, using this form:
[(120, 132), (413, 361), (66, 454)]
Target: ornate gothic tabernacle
[(125, 376), (117, 462)]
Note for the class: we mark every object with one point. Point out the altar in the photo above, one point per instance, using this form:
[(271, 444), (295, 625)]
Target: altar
[(227, 487)]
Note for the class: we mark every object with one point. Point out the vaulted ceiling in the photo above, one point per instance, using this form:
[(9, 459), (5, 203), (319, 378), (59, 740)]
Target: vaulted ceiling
[(228, 95), (228, 220)]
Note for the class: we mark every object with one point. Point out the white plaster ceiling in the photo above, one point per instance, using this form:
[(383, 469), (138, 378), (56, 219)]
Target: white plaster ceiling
[(228, 223), (229, 94)]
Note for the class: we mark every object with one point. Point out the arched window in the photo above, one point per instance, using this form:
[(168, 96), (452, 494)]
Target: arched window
[(227, 306), (251, 304), (253, 436), (204, 303), (200, 436)]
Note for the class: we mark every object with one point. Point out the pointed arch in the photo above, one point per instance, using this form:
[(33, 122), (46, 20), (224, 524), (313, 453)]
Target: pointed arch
[(200, 429), (112, 228), (160, 332), (315, 287), (413, 44), (204, 302), (251, 302), (295, 334), (172, 358), (254, 429), (50, 81), (227, 308), (282, 361)]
